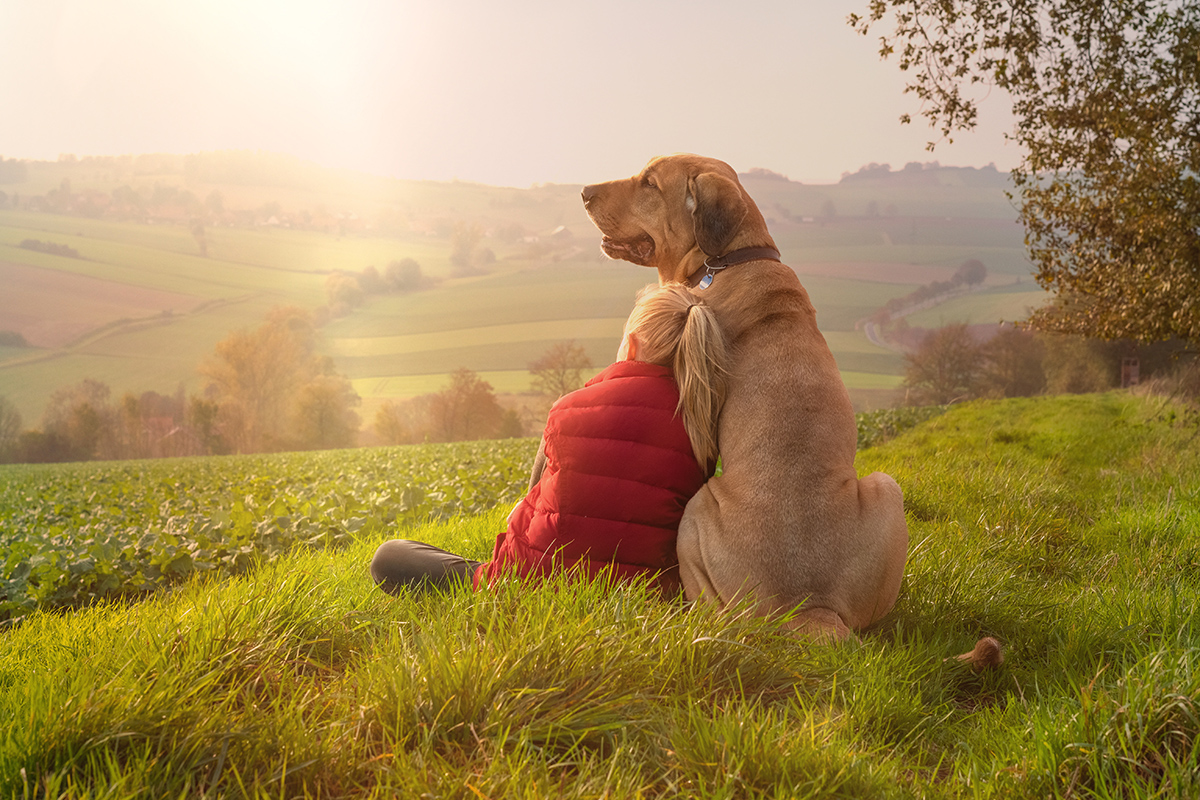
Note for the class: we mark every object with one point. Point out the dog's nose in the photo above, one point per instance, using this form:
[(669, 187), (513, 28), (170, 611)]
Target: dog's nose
[(588, 193)]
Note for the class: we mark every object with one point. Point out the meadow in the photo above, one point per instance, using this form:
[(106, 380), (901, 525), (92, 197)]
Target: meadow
[(141, 307), (1064, 526)]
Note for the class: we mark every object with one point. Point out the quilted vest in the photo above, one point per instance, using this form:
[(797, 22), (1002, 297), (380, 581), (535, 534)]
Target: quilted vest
[(619, 471)]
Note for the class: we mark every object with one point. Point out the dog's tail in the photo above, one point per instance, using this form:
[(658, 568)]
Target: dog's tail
[(987, 655)]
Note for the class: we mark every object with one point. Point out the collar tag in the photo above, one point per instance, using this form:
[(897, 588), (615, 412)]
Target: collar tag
[(705, 282)]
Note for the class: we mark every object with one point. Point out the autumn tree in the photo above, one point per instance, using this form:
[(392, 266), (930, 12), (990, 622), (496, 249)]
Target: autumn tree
[(511, 425), (1013, 364), (466, 409), (391, 424), (10, 427), (404, 421), (371, 282), (1107, 101), (343, 291), (1075, 365), (262, 378), (404, 275), (82, 420), (324, 414), (203, 417), (560, 369), (946, 367)]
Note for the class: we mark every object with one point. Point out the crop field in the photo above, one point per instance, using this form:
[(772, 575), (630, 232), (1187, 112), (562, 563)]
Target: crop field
[(141, 308), (76, 533), (267, 663), (1001, 303), (374, 391), (547, 330), (1010, 260), (81, 304), (874, 381)]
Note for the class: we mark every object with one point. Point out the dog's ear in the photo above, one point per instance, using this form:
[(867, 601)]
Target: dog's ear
[(717, 210)]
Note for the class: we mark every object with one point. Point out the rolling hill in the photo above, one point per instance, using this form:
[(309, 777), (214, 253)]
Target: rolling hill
[(171, 253)]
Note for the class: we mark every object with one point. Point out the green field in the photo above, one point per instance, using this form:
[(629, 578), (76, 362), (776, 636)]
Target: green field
[(1064, 527), (1008, 303), (141, 308)]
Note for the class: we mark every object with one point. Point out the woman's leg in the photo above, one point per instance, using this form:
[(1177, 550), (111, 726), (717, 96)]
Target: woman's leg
[(403, 564)]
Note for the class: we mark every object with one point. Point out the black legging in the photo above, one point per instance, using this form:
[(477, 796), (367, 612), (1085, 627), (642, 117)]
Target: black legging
[(404, 564)]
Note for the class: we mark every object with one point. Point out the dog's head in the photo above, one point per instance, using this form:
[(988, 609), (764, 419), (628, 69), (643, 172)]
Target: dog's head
[(674, 213)]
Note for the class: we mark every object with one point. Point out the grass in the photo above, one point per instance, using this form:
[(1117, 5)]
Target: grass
[(1066, 527)]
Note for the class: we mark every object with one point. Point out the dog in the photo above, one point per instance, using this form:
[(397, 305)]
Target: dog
[(788, 524)]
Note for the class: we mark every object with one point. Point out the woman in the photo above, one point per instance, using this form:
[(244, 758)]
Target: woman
[(619, 460)]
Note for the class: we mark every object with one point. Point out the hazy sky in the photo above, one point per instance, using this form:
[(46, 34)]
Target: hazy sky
[(509, 92)]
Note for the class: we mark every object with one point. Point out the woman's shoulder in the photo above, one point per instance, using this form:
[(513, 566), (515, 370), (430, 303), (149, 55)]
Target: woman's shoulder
[(632, 385), (631, 369)]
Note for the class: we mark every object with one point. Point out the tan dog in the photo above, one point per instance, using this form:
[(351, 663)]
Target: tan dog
[(788, 522)]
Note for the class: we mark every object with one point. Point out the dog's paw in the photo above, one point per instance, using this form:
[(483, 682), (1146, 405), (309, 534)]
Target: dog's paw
[(987, 655)]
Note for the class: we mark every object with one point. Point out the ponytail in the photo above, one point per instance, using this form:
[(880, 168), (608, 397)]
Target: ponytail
[(700, 371), (676, 329)]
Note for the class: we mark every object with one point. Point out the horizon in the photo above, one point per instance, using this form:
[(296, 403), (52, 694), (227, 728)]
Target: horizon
[(533, 93), (743, 171)]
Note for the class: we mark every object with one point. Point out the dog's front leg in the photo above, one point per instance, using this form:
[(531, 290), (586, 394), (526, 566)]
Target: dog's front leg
[(693, 573)]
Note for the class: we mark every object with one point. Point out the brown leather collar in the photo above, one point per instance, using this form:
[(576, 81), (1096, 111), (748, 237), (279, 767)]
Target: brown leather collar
[(702, 279)]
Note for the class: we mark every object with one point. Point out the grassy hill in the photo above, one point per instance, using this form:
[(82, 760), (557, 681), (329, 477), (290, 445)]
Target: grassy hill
[(141, 305), (1063, 526)]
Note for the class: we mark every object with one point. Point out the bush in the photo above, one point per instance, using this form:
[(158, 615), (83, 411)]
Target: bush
[(53, 248), (1183, 383)]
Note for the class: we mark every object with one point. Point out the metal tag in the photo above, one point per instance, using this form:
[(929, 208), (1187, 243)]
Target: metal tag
[(705, 282)]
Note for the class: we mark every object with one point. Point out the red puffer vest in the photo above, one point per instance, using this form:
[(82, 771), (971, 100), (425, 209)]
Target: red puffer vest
[(619, 471)]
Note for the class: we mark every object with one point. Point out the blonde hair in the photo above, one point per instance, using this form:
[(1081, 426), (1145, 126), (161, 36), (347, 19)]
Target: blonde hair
[(676, 329)]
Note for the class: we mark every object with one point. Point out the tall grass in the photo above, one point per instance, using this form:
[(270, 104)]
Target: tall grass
[(1065, 527)]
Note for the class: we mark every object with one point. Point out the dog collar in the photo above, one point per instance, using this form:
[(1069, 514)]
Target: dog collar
[(714, 264)]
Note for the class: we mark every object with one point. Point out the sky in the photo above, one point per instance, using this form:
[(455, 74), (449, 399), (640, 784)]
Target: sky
[(511, 93)]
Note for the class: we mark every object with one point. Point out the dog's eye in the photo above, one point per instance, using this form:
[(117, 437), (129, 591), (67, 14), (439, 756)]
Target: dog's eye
[(649, 182)]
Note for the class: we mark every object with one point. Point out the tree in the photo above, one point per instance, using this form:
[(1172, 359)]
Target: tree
[(37, 447), (511, 426), (10, 427), (1107, 101), (560, 369), (324, 413), (391, 424), (198, 233), (256, 375), (1013, 364), (464, 243), (370, 281), (466, 409), (81, 419), (404, 275), (946, 367), (202, 419), (1075, 365), (343, 290), (972, 272), (404, 422)]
